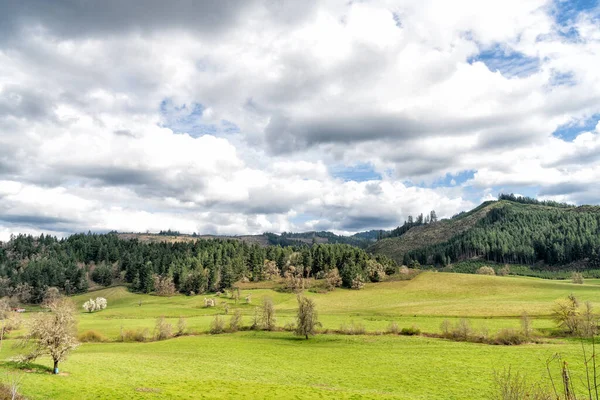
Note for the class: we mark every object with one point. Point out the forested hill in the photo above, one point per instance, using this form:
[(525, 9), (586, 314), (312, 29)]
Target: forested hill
[(519, 231), (361, 239), (30, 265)]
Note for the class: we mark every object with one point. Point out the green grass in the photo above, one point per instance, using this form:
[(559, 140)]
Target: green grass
[(279, 365)]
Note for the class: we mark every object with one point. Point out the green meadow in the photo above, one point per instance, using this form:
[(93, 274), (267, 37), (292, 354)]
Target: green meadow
[(257, 364)]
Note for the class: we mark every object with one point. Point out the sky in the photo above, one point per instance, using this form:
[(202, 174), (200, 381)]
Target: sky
[(246, 116)]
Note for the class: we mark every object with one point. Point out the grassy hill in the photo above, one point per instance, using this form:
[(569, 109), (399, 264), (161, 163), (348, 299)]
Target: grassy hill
[(505, 232), (256, 364)]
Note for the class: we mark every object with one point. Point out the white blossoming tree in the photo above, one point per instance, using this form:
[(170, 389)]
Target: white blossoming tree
[(95, 305)]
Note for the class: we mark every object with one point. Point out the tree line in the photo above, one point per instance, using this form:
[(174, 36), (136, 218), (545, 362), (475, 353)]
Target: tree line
[(29, 265)]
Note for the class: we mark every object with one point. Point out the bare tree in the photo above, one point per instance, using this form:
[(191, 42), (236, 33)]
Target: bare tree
[(53, 333), (268, 314), (307, 317), (566, 314)]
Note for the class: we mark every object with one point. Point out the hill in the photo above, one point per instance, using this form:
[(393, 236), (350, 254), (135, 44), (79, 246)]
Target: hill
[(361, 239), (505, 231)]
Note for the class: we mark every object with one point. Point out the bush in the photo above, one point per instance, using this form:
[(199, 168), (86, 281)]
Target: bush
[(333, 279), (268, 314), (138, 335), (92, 336), (375, 270), (393, 328), (577, 278), (509, 386), (162, 330), (509, 336), (163, 285), (357, 283), (504, 271), (485, 270), (461, 330), (235, 323), (181, 325), (353, 329), (9, 391), (217, 325), (412, 331)]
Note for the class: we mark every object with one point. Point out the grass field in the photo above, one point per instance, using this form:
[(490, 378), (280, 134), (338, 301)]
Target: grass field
[(279, 365)]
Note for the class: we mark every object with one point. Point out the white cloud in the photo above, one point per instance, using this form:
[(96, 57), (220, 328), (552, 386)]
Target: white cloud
[(392, 84)]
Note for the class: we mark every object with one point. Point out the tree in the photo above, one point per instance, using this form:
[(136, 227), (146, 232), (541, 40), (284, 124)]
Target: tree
[(307, 319), (50, 296), (163, 285), (566, 314), (333, 279), (268, 314), (53, 333), (433, 217)]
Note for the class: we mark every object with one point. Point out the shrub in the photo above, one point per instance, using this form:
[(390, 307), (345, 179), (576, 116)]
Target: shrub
[(504, 271), (509, 386), (445, 327), (375, 270), (235, 322), (577, 278), (461, 330), (271, 271), (509, 336), (357, 283), (217, 325), (268, 314), (162, 330), (181, 325), (9, 391), (353, 329), (294, 282), (289, 326), (163, 285), (393, 328), (333, 279), (91, 336), (526, 329), (412, 331), (138, 335), (485, 270), (50, 295), (566, 314), (209, 302), (403, 270), (255, 320)]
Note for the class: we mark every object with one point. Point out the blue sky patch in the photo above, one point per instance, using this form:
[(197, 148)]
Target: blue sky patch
[(566, 12), (571, 130), (509, 63), (358, 173), (454, 179), (188, 118)]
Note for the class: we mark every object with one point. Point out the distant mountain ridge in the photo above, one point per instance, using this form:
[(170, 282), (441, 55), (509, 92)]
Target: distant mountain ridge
[(360, 239)]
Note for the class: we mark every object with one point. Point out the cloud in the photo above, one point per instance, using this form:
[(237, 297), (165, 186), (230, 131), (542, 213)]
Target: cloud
[(248, 116)]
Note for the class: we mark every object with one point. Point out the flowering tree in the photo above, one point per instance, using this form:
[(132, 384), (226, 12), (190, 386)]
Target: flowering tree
[(53, 333), (95, 305)]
